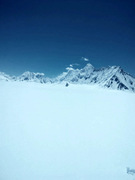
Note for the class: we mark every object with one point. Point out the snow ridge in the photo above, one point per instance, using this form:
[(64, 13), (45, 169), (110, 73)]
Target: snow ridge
[(33, 77), (5, 77), (112, 77)]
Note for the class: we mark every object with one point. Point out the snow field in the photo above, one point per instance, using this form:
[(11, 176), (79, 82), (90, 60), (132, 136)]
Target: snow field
[(53, 132)]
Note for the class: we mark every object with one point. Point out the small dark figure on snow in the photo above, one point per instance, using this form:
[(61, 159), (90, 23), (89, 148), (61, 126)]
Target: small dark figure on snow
[(67, 85)]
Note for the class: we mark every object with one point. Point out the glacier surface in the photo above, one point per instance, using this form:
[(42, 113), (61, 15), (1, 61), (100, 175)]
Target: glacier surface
[(53, 132)]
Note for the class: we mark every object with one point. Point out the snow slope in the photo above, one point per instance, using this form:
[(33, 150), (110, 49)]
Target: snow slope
[(112, 77), (53, 132), (5, 77)]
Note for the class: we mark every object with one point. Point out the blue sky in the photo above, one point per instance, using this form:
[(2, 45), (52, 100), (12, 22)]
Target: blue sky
[(48, 35)]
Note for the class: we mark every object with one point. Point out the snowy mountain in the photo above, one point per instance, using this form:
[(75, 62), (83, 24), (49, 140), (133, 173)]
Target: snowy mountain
[(26, 76), (5, 77), (111, 77), (33, 77)]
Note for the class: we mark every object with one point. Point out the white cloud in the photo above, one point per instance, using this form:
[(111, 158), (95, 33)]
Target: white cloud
[(69, 68), (85, 59), (75, 64)]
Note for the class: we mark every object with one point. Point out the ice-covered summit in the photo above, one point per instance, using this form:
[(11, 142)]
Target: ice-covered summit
[(74, 75), (88, 68), (33, 77), (112, 77), (6, 77)]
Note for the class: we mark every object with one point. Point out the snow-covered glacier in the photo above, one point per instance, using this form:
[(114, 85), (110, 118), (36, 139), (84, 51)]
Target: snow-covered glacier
[(52, 132), (112, 77)]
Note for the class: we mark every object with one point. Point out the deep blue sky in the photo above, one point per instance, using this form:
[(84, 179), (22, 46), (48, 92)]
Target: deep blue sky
[(48, 35)]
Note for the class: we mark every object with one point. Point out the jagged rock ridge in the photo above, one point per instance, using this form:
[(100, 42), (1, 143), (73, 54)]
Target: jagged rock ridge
[(111, 77)]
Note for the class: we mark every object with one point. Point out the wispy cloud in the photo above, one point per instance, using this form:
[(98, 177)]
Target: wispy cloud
[(75, 64), (85, 59)]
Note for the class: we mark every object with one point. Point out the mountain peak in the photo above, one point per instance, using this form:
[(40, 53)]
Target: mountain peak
[(112, 77), (89, 66), (34, 77)]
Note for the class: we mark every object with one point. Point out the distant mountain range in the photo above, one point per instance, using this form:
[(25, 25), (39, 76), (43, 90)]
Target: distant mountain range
[(111, 77)]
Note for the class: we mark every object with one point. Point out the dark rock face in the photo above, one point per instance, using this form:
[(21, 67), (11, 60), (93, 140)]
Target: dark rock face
[(67, 85)]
